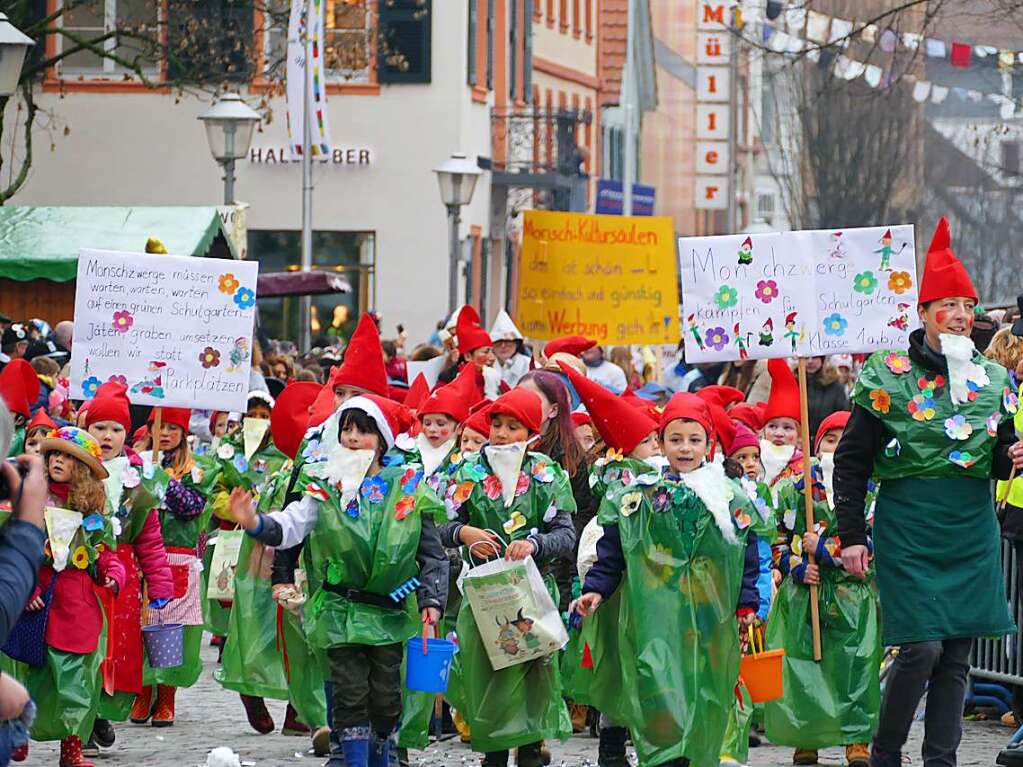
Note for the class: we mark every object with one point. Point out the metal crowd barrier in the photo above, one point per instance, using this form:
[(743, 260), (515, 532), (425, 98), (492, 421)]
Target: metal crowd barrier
[(1001, 660)]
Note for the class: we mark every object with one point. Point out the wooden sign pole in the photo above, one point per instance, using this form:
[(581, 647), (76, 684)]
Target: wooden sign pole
[(804, 426), (155, 433)]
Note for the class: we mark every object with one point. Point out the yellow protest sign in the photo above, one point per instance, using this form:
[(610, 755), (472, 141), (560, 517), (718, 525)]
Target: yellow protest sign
[(609, 278)]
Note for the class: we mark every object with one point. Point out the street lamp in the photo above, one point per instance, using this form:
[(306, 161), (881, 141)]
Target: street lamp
[(457, 178), (229, 125), (14, 44)]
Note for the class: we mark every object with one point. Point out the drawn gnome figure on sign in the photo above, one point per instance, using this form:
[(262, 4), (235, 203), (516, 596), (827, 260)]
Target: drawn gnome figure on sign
[(837, 247), (901, 320), (746, 251), (791, 334), (767, 332), (886, 251), (740, 342), (694, 329)]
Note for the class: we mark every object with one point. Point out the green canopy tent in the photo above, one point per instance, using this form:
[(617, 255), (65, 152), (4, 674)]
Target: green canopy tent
[(39, 248)]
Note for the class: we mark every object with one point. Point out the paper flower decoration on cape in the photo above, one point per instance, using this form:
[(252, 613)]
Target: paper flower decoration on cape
[(492, 487), (630, 503), (880, 400), (921, 407), (897, 363), (373, 489), (962, 458), (404, 507), (957, 427), (80, 558), (992, 424), (225, 451), (516, 522)]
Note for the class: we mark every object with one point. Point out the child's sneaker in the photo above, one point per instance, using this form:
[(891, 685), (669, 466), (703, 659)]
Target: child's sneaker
[(805, 756)]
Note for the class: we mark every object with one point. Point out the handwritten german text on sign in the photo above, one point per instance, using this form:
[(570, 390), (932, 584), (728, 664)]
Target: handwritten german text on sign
[(176, 330), (609, 278), (798, 293)]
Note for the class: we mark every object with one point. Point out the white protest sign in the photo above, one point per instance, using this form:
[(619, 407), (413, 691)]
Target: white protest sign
[(798, 294), (176, 330), (431, 368)]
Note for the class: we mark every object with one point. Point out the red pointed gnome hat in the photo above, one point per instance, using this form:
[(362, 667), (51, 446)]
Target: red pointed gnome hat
[(363, 366), (644, 405), (579, 418), (390, 417), (748, 414), (521, 404), (175, 416), (721, 395), (944, 274), (41, 420), (836, 420), (742, 437), (574, 345), (620, 424), (418, 392), (686, 405), (19, 386), (110, 404), (290, 415), (455, 399), (468, 331), (322, 408), (479, 418), (724, 426), (784, 399)]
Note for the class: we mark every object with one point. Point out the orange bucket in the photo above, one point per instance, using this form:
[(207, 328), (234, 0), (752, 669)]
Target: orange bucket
[(761, 672)]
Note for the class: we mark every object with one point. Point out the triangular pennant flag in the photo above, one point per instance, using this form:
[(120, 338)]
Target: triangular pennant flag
[(935, 48), (795, 20), (817, 25), (872, 74), (840, 32), (961, 53), (911, 40), (921, 91), (869, 33), (889, 40), (938, 93)]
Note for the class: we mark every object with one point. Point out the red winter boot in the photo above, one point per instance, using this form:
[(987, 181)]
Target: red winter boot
[(259, 717), (20, 754), (71, 753), (143, 708), (163, 715), (291, 724)]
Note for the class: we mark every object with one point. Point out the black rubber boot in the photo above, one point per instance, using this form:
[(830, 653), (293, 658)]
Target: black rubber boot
[(529, 756), (495, 759), (611, 750), (103, 733)]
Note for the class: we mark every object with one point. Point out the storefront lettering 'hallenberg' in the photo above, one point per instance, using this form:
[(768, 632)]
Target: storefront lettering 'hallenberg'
[(279, 155)]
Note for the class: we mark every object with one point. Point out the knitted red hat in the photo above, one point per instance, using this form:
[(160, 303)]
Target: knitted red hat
[(290, 415), (521, 404), (748, 414), (387, 414), (784, 399), (721, 395), (574, 345), (41, 420), (19, 386), (944, 274), (175, 416), (468, 331), (744, 437), (455, 399), (363, 366), (620, 424), (479, 418), (836, 420), (686, 405), (418, 392), (110, 404)]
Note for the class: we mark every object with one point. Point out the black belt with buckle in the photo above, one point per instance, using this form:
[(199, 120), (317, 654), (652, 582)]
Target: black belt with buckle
[(364, 597)]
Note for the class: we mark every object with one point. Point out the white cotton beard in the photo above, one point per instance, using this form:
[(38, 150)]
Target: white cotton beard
[(61, 526), (774, 458), (432, 456), (346, 468), (959, 351), (491, 382), (113, 484), (827, 461), (713, 488), (253, 431), (657, 462), (506, 463)]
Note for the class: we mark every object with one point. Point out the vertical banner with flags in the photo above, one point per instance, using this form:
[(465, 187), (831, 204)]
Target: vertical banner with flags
[(307, 24)]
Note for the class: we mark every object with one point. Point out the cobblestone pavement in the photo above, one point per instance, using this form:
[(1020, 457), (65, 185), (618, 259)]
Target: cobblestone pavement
[(208, 716)]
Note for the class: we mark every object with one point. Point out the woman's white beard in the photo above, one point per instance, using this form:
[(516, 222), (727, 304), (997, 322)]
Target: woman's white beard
[(959, 351)]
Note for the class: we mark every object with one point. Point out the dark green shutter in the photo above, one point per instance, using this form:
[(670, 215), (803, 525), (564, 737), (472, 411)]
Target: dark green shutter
[(471, 43), (405, 30), (527, 52)]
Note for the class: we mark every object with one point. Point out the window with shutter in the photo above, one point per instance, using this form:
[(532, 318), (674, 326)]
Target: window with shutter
[(490, 44), (404, 41), (471, 43), (210, 40), (513, 48), (527, 51)]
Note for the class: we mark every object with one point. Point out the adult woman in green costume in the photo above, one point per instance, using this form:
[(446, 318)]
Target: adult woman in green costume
[(932, 426), (527, 497), (677, 565)]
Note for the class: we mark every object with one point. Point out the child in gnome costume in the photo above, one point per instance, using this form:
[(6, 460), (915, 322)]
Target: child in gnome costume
[(676, 571), (371, 539), (36, 431), (19, 388), (475, 348), (475, 429), (779, 451), (248, 459), (508, 350), (630, 436), (266, 654), (133, 491), (834, 702), (932, 425), (528, 497), (80, 555), (183, 519)]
